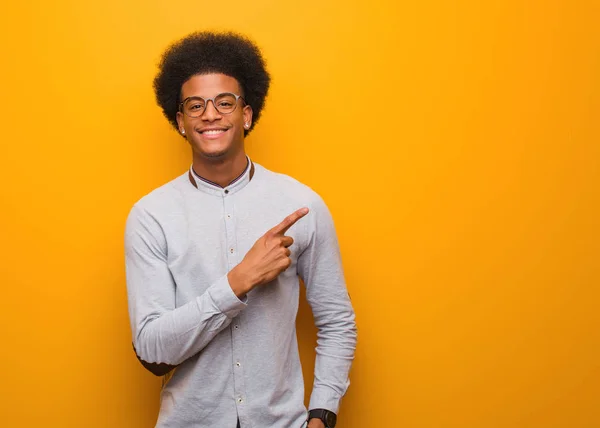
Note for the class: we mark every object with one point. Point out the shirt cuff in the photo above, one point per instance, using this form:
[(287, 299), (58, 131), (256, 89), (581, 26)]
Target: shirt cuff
[(225, 299), (325, 398)]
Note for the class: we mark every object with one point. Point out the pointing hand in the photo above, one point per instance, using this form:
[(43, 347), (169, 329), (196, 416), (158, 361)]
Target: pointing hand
[(268, 257)]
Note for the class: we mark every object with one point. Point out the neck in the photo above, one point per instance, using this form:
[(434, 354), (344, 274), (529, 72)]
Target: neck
[(220, 170)]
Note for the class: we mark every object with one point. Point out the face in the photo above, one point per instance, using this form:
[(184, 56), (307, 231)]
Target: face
[(214, 135)]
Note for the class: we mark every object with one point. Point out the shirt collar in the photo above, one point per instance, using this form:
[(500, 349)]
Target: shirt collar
[(211, 187)]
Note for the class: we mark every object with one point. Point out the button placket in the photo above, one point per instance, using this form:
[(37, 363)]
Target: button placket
[(230, 231), (231, 253)]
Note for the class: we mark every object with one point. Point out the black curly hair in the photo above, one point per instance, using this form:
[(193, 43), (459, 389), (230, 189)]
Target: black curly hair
[(228, 53)]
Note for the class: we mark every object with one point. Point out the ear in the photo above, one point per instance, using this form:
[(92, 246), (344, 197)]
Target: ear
[(247, 115), (180, 122)]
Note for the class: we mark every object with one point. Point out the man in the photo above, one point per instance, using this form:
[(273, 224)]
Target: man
[(213, 259)]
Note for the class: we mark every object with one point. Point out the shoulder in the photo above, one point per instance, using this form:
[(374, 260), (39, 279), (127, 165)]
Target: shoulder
[(165, 197), (161, 202), (289, 188)]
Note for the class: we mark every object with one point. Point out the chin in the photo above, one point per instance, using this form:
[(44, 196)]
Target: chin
[(216, 150), (215, 154), (213, 151)]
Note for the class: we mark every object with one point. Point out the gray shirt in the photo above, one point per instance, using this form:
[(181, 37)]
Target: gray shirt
[(236, 358)]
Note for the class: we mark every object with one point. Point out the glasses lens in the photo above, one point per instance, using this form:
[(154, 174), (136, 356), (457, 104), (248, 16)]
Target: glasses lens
[(225, 103), (194, 107)]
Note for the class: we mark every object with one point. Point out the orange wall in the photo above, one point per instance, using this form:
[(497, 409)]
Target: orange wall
[(456, 143)]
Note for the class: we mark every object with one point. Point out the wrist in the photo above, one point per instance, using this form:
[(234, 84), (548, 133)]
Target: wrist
[(239, 281), (327, 418)]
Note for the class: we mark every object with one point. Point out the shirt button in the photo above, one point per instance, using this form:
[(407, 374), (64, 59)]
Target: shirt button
[(240, 400), (226, 191), (236, 327), (231, 250), (228, 215), (238, 364)]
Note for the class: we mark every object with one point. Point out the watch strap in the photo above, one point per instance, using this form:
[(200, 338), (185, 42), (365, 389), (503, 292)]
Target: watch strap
[(329, 418)]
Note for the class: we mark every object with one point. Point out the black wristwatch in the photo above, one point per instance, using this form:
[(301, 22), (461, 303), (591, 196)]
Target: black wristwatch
[(328, 418)]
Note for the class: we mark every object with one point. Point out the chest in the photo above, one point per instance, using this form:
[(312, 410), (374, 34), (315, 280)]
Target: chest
[(209, 237)]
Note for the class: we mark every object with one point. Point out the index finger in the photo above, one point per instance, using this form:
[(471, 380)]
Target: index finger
[(289, 221)]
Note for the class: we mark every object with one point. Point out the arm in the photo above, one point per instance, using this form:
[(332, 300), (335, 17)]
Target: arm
[(163, 335), (320, 268)]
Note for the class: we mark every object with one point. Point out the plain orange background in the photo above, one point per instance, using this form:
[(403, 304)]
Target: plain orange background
[(455, 142)]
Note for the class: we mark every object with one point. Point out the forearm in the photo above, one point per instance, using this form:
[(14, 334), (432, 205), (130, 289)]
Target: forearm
[(174, 336), (335, 352)]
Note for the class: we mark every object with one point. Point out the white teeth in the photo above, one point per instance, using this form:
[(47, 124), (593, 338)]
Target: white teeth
[(213, 131)]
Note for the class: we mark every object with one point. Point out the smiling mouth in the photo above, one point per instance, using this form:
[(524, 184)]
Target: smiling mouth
[(213, 131)]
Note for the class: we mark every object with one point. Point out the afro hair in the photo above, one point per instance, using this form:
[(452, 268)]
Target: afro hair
[(209, 52)]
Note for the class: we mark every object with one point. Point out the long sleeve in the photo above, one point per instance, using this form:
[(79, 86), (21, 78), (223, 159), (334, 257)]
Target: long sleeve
[(320, 268), (161, 332)]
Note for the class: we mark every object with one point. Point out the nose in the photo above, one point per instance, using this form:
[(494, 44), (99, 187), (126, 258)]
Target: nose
[(210, 113)]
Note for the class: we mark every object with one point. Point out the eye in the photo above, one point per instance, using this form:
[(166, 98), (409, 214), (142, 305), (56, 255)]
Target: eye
[(225, 104), (195, 106)]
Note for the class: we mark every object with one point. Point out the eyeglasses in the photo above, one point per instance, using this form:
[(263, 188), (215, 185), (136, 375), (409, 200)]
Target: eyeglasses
[(224, 103)]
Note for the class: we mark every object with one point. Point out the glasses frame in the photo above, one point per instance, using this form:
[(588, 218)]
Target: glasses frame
[(206, 100)]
